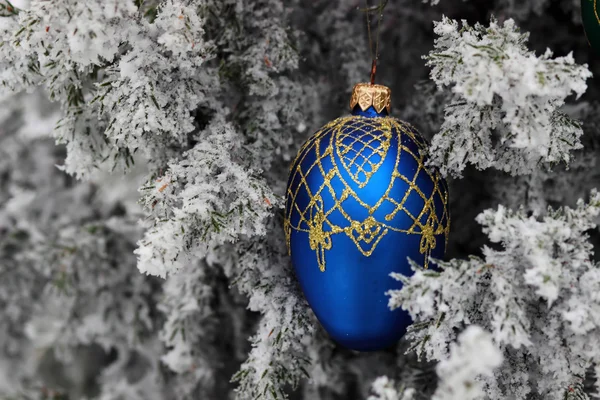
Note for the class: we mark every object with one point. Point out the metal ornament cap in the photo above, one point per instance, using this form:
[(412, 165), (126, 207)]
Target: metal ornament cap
[(366, 95)]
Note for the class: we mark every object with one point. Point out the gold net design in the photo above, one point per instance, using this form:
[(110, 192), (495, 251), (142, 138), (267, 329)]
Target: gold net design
[(361, 145)]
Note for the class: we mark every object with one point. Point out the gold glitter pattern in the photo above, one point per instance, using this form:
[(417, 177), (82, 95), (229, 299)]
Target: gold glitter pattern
[(596, 11), (361, 145), (360, 164)]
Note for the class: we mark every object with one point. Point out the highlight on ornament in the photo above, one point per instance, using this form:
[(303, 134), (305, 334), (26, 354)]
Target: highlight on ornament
[(360, 203)]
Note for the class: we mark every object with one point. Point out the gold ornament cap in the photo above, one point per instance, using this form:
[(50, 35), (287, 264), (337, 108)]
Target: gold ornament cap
[(366, 95)]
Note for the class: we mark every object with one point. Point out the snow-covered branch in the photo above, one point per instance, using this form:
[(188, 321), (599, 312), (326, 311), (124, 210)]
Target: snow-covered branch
[(506, 108), (279, 353), (474, 356), (385, 389), (206, 199), (535, 295)]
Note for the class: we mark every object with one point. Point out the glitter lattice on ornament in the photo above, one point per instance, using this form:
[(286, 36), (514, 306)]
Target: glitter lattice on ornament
[(362, 164), (361, 145)]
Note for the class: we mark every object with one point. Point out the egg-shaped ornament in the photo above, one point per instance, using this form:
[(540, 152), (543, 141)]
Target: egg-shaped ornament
[(590, 14), (360, 203)]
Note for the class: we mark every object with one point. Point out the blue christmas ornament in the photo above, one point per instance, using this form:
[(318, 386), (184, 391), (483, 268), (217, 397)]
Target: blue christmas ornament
[(360, 203)]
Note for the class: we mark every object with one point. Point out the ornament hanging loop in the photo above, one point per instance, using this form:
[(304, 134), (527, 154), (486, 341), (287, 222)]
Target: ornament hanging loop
[(373, 71), (374, 55)]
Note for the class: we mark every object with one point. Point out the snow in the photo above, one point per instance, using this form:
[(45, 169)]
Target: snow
[(505, 112)]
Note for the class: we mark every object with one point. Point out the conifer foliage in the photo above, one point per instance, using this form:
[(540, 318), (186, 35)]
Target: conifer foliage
[(144, 151)]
